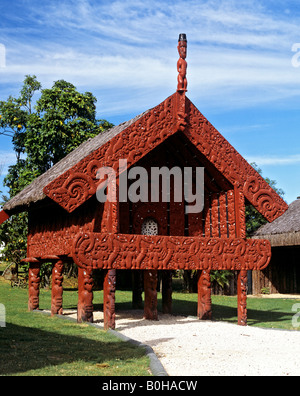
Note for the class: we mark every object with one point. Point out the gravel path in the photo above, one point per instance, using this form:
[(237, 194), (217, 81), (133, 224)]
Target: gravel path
[(189, 347)]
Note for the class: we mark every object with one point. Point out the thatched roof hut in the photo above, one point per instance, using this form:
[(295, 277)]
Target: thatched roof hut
[(34, 193), (283, 273), (285, 230)]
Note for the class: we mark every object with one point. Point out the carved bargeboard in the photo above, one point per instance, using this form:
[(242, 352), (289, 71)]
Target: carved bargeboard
[(122, 251)]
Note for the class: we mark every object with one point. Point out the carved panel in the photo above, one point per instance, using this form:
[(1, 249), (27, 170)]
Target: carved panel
[(121, 251), (52, 229)]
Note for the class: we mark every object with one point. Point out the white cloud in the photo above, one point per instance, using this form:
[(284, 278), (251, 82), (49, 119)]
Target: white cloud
[(7, 158), (239, 53), (275, 160)]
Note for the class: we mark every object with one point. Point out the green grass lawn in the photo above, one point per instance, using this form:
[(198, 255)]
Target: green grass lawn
[(35, 344)]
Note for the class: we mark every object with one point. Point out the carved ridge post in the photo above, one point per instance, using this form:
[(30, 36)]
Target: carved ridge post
[(33, 286), (204, 311), (150, 303), (240, 223), (57, 288), (85, 295)]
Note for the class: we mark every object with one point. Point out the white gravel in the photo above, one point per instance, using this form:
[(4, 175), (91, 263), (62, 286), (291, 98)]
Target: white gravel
[(189, 347)]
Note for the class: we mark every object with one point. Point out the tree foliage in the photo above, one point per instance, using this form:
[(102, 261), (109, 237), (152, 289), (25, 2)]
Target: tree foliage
[(42, 134)]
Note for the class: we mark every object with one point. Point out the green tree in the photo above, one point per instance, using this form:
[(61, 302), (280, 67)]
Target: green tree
[(42, 134)]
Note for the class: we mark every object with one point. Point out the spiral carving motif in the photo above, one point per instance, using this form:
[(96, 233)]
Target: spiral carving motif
[(79, 183), (122, 251)]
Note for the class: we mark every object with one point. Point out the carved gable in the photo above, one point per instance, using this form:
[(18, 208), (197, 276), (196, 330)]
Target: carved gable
[(176, 114)]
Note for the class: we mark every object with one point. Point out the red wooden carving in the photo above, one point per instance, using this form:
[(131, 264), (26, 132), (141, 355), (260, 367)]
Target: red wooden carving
[(57, 288), (181, 64), (204, 295), (33, 286), (120, 251), (79, 183), (109, 289), (85, 295)]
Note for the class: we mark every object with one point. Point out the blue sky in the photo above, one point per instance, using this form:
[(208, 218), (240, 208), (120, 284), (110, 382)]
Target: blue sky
[(242, 73)]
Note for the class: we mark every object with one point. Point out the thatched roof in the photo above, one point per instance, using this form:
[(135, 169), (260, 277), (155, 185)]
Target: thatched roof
[(34, 191), (285, 230)]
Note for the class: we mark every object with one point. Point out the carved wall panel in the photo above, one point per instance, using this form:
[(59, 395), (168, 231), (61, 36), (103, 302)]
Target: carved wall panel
[(51, 229), (122, 251)]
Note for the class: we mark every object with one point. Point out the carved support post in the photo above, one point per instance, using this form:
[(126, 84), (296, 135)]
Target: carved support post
[(57, 288), (33, 286), (109, 289), (167, 292), (242, 298), (150, 304), (85, 295), (204, 295)]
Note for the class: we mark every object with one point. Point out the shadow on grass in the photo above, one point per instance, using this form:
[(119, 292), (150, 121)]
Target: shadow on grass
[(228, 313), (263, 314), (26, 348)]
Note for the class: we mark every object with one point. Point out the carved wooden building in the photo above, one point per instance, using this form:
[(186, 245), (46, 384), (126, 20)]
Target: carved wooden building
[(68, 223)]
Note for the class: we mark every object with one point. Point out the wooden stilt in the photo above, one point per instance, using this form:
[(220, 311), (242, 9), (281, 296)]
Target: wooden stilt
[(150, 304), (109, 289), (33, 286), (57, 288), (85, 295), (242, 298), (204, 295), (166, 292)]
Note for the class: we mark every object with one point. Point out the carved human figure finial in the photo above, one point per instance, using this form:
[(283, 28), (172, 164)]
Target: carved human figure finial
[(182, 64)]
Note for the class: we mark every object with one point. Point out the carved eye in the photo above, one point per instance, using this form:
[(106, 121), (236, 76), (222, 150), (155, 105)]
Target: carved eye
[(149, 227)]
